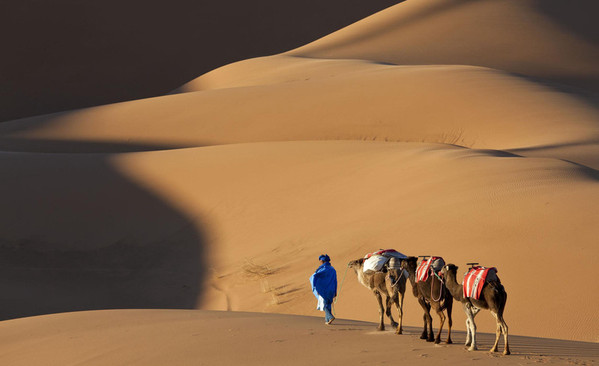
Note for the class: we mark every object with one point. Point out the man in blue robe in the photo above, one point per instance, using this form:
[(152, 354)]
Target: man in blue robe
[(324, 287)]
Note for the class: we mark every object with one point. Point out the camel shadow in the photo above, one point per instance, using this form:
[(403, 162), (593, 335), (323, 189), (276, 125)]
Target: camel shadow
[(532, 346)]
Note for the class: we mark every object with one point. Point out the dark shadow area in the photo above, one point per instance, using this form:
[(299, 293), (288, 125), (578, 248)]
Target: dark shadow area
[(15, 144), (75, 234), (519, 345), (574, 87), (587, 161), (576, 16), (531, 346), (67, 54), (588, 171)]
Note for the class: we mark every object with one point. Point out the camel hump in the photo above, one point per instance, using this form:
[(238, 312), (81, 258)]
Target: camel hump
[(492, 275)]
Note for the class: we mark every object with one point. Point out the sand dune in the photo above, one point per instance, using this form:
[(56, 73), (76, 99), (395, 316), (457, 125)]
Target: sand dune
[(160, 337), (65, 55), (548, 41), (473, 107), (280, 204), (466, 129)]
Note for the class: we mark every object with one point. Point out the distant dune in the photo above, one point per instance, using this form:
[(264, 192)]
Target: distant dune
[(460, 128), (63, 55)]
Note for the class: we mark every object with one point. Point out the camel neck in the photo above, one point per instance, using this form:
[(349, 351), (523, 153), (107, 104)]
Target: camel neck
[(412, 275), (453, 286)]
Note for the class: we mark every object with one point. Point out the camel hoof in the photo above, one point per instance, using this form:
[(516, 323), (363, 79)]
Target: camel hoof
[(380, 329), (506, 352), (472, 349), (449, 341), (437, 341), (493, 350), (394, 325), (424, 336)]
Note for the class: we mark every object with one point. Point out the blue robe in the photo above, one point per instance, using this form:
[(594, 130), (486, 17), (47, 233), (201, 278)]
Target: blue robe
[(324, 282)]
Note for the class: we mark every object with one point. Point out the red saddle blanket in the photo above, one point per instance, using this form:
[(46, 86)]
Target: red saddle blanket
[(474, 280), (424, 268)]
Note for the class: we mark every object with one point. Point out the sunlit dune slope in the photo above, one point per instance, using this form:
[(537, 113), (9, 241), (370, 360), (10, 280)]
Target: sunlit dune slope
[(468, 106), (281, 204), (160, 337), (554, 40), (549, 40)]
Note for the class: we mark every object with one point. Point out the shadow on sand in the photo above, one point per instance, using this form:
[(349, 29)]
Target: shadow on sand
[(75, 234)]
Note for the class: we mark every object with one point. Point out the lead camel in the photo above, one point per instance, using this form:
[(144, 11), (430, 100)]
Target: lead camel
[(391, 284)]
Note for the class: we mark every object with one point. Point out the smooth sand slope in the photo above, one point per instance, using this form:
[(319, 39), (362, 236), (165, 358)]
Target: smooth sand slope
[(466, 129), (177, 337), (254, 217)]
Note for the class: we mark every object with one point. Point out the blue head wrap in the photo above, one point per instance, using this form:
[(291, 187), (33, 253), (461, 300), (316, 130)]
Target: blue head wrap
[(324, 257)]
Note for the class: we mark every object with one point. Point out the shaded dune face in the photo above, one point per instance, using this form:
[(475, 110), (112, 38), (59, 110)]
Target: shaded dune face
[(547, 40), (63, 54), (78, 235)]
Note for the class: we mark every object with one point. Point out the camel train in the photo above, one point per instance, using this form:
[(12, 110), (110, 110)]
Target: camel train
[(435, 286)]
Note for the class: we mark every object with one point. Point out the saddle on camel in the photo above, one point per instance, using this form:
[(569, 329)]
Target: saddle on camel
[(474, 280), (428, 266)]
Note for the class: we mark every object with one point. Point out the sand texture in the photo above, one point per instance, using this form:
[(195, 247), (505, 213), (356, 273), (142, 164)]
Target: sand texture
[(180, 337), (457, 128)]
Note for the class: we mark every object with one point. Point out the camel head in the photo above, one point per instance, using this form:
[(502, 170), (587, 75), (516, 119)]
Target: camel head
[(356, 264), (409, 264), (449, 269)]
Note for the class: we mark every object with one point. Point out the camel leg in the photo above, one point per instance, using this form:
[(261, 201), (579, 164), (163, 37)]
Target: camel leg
[(506, 348), (449, 320), (466, 307), (427, 333), (474, 345), (441, 321), (497, 332), (468, 334), (379, 298), (388, 312), (399, 304)]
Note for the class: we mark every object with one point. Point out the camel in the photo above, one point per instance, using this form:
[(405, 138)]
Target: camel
[(392, 284), (493, 298), (431, 293)]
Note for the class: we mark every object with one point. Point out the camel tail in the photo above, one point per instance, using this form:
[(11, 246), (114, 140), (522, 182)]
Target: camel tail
[(500, 294)]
